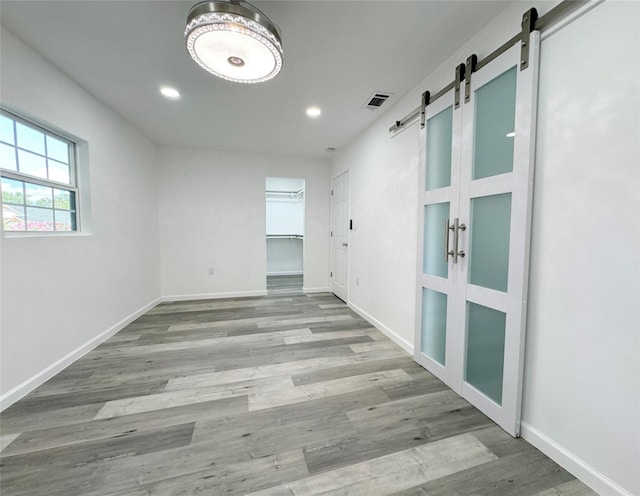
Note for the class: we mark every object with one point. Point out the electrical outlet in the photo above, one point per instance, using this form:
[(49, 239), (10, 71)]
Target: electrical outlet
[(210, 271), (357, 281)]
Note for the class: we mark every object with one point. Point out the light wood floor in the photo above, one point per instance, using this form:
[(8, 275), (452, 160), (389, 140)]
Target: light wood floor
[(281, 395), (284, 284)]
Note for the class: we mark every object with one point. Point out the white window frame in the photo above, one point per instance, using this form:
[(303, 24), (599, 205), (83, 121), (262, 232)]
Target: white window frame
[(72, 186)]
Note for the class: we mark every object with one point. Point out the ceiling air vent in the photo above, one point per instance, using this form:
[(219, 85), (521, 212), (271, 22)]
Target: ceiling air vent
[(376, 100)]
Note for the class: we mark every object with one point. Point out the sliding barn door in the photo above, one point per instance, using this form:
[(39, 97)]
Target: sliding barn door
[(440, 191), (472, 302)]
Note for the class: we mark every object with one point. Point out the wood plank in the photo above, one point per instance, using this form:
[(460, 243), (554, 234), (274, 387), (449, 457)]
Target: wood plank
[(260, 401), (391, 473), (336, 408), (169, 399)]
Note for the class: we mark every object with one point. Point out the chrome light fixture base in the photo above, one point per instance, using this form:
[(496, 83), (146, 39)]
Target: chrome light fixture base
[(234, 41)]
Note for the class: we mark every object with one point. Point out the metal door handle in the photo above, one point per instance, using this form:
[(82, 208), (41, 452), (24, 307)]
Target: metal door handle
[(345, 244), (456, 239), (447, 228)]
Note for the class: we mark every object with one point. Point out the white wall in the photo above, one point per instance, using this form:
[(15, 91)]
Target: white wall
[(582, 370), (212, 215), (384, 193), (60, 293), (581, 390)]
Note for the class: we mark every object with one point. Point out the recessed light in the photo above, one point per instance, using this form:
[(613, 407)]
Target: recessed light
[(314, 111), (170, 92)]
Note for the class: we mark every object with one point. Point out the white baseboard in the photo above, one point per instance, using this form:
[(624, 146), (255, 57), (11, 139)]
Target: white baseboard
[(213, 296), (315, 290), (403, 343), (285, 273), (21, 390), (571, 463)]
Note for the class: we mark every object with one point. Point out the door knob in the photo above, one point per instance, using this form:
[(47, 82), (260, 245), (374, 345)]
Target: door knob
[(345, 244)]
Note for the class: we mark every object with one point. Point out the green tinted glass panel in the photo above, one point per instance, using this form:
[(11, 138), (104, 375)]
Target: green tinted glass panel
[(439, 129), (485, 350), (494, 126), (434, 219), (434, 325), (489, 247)]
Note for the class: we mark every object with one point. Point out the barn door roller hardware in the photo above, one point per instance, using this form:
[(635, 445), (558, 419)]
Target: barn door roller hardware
[(530, 22)]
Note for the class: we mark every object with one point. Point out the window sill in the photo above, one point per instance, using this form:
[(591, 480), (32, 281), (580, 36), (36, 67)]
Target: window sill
[(43, 234)]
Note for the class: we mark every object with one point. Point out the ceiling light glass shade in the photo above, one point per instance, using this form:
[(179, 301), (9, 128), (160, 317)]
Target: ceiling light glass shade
[(233, 41)]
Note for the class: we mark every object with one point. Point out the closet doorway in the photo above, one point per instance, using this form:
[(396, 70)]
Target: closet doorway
[(285, 235)]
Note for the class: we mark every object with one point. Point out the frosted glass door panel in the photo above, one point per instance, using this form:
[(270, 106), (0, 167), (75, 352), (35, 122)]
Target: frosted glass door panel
[(435, 217), (434, 325), (489, 247), (439, 129), (485, 350), (494, 126)]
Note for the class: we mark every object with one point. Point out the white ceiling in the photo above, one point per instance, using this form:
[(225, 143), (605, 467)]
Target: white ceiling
[(336, 54)]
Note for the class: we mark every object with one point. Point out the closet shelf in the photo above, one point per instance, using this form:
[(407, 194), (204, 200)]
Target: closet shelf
[(285, 236)]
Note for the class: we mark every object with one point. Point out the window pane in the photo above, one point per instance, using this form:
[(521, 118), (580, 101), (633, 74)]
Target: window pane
[(39, 195), (12, 191), (62, 199), (7, 157), (13, 217), (63, 220), (35, 165), (31, 152), (6, 130), (58, 150), (39, 219), (30, 139), (59, 172)]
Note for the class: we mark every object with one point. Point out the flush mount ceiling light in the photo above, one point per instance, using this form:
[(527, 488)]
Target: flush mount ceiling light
[(234, 41)]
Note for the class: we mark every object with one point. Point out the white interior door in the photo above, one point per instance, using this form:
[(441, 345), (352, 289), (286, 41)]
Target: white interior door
[(340, 235), (495, 203), (440, 186), (473, 310)]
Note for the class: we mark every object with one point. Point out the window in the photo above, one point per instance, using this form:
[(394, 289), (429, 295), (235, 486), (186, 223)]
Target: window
[(38, 174)]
